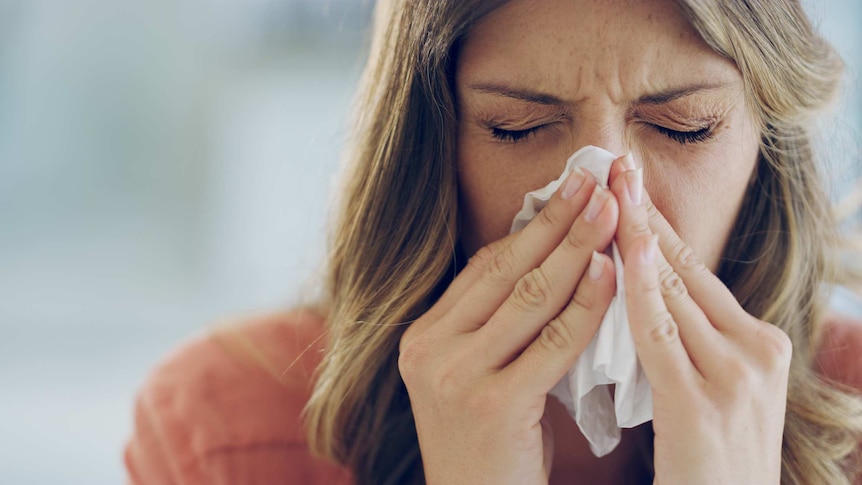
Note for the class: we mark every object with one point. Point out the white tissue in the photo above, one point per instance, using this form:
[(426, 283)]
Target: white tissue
[(610, 358)]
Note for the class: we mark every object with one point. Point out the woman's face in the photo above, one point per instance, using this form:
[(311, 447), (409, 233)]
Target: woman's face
[(538, 79)]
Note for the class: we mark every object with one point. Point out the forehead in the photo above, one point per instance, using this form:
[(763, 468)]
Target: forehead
[(579, 47)]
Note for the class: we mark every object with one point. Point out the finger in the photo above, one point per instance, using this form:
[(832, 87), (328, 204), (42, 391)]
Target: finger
[(619, 166), (718, 303), (543, 292), (527, 251), (707, 348), (463, 280), (655, 333), (563, 339), (702, 341)]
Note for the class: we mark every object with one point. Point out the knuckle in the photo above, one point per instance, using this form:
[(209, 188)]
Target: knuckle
[(664, 269), (410, 359), (548, 217), (776, 346), (740, 377), (672, 286), (652, 285), (532, 290), (684, 256), (639, 227), (583, 300), (483, 256), (575, 239), (662, 329), (652, 210), (557, 335), (501, 267)]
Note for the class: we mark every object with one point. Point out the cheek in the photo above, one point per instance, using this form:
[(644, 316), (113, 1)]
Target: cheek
[(492, 183), (701, 196)]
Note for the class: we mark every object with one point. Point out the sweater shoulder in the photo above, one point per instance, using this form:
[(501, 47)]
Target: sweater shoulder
[(229, 405)]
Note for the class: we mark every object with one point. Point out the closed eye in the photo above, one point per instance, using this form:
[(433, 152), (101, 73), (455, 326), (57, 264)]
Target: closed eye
[(514, 136), (683, 137)]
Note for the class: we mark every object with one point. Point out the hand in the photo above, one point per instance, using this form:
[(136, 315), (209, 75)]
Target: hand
[(479, 364), (718, 375)]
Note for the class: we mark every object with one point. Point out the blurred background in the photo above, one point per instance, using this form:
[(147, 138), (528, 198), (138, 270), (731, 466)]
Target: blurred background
[(165, 165)]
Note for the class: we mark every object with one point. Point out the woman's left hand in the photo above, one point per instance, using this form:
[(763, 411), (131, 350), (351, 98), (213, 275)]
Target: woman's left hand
[(718, 375)]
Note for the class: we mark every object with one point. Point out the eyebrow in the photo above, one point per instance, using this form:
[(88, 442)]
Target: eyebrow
[(676, 93), (546, 99), (522, 94)]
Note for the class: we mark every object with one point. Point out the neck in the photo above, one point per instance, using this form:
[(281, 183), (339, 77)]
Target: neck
[(574, 462)]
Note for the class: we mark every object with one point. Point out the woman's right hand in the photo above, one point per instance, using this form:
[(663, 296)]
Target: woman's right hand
[(479, 364)]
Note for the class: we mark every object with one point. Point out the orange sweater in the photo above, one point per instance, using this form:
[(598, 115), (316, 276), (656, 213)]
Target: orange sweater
[(213, 414)]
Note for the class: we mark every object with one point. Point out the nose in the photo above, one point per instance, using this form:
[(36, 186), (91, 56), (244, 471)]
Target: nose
[(601, 128)]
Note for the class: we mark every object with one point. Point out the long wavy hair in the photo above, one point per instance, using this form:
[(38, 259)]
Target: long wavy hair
[(394, 247)]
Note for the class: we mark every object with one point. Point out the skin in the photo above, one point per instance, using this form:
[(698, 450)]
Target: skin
[(478, 366), (600, 58)]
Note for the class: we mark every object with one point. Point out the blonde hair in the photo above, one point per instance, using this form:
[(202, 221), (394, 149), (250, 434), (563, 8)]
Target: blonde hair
[(393, 248)]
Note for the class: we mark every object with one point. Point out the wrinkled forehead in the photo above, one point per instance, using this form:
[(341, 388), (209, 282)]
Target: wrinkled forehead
[(579, 47)]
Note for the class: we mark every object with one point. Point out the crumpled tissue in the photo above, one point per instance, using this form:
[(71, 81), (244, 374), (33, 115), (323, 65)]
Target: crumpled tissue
[(610, 357)]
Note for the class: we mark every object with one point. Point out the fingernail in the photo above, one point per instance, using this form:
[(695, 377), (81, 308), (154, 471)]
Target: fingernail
[(649, 252), (597, 266), (629, 161), (635, 183), (573, 182), (597, 202)]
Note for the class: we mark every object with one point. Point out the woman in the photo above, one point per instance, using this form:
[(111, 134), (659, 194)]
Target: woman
[(419, 366)]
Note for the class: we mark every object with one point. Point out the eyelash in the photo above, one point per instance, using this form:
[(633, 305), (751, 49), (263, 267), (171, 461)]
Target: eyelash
[(514, 136), (681, 137)]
